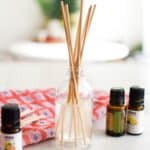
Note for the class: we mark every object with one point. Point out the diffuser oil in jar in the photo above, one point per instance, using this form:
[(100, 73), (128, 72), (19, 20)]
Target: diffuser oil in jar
[(74, 118), (135, 115), (116, 113), (11, 134)]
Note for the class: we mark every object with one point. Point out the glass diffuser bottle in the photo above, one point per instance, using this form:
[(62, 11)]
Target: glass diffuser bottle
[(74, 119), (74, 105)]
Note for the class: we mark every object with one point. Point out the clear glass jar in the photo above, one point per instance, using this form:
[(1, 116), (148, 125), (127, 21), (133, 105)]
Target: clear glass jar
[(74, 120)]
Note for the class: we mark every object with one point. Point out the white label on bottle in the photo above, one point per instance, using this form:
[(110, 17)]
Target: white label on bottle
[(135, 121), (11, 141)]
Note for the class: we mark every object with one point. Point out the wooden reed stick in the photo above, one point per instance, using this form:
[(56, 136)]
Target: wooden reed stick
[(73, 71), (66, 18), (72, 122), (65, 26), (82, 126), (78, 46), (78, 33), (62, 123), (75, 58), (87, 26), (68, 39), (65, 11), (59, 120), (75, 46), (75, 123), (69, 98), (85, 31)]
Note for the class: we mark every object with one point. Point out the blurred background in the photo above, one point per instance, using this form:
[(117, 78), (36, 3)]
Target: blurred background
[(27, 20), (33, 50)]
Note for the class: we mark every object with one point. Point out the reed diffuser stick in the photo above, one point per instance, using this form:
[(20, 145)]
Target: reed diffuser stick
[(78, 33), (87, 24), (77, 126)]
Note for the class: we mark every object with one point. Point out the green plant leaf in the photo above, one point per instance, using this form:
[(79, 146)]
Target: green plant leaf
[(52, 10)]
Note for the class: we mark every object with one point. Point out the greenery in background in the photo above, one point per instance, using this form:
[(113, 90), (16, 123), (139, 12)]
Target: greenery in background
[(51, 8), (136, 49)]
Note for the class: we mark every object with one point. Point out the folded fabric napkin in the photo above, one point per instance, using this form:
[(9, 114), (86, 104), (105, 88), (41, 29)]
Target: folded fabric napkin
[(38, 111), (101, 99), (39, 103)]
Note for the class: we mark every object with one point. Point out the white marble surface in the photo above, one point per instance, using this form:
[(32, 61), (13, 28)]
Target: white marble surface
[(22, 75)]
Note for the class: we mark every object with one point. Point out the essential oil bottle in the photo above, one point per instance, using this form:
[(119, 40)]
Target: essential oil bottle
[(10, 127), (116, 113), (135, 115)]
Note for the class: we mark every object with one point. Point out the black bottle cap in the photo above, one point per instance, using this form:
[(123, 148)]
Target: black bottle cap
[(117, 96), (136, 96), (10, 118)]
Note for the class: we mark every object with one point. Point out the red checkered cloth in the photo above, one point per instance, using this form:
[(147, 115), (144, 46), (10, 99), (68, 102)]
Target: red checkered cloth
[(42, 102), (39, 102)]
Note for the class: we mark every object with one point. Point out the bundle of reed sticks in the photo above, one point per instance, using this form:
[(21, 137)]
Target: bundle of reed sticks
[(75, 59)]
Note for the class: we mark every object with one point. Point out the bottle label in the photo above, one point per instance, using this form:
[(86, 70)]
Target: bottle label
[(135, 121), (116, 121), (11, 141)]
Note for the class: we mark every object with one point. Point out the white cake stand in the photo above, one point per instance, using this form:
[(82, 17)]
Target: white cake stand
[(94, 51)]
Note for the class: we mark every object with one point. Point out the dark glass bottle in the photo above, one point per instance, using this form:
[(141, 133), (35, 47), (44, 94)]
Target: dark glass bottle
[(135, 115), (10, 127), (116, 113)]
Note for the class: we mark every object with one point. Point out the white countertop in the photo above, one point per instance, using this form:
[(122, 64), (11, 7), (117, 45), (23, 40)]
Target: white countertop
[(100, 141), (22, 75)]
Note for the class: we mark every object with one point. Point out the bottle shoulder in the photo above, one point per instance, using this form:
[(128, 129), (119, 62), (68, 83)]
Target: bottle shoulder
[(136, 108), (116, 108), (13, 131)]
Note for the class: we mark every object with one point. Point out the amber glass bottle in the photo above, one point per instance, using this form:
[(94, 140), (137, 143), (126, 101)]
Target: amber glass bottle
[(135, 117), (10, 131), (116, 113)]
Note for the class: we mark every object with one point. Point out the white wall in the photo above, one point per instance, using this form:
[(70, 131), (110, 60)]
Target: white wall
[(18, 20), (118, 19), (146, 27), (52, 74), (114, 20)]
